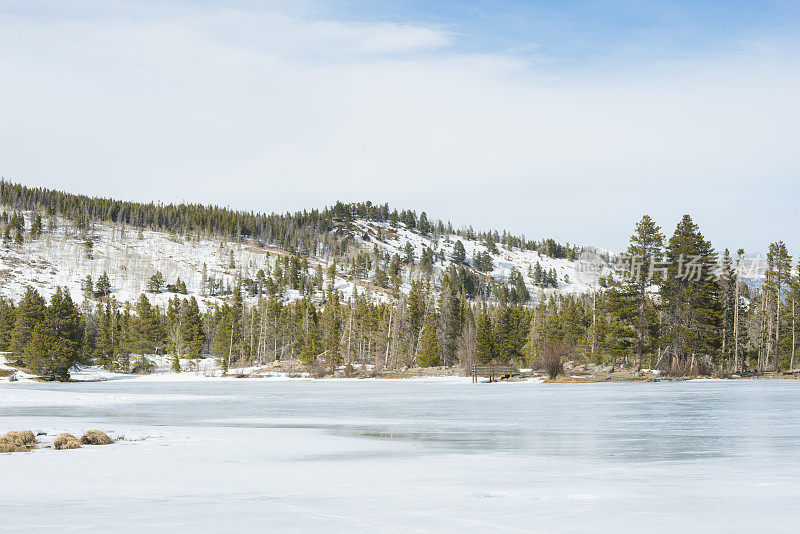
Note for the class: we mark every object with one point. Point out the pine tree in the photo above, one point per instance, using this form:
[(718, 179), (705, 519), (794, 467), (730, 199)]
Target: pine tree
[(237, 322), (645, 247), (293, 273), (381, 279), (616, 325), (484, 342), (408, 254), (104, 345), (124, 336), (459, 253), (30, 311), (426, 260), (450, 318), (416, 310), (7, 317), (222, 348), (55, 342), (727, 295), (148, 333), (36, 226), (311, 346), (87, 286), (691, 296), (538, 275), (155, 283), (521, 295), (332, 333), (103, 285), (423, 225), (780, 268), (191, 329), (428, 354), (511, 330)]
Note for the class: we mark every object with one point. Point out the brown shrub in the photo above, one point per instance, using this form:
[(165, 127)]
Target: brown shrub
[(318, 369), (349, 371), (553, 356), (95, 437), (66, 441), (17, 441)]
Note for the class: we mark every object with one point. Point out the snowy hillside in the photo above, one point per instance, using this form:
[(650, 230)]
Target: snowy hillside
[(573, 277), (130, 256)]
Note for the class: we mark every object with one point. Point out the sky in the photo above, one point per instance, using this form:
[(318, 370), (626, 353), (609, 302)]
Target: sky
[(562, 119)]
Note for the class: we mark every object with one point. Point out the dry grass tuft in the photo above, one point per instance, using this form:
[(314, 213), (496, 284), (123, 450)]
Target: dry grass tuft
[(66, 441), (17, 441), (95, 437)]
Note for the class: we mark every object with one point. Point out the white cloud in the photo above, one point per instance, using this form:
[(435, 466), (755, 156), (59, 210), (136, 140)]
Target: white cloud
[(267, 111)]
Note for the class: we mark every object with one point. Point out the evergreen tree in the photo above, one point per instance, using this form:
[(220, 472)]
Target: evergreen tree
[(155, 283), (148, 333), (691, 296), (645, 247), (223, 345), (428, 354), (616, 329), (237, 322), (381, 279), (104, 345), (484, 342), (426, 260), (451, 320), (55, 342), (423, 225), (510, 335), (459, 253), (311, 346), (36, 226), (29, 312), (408, 254), (778, 274), (87, 286), (416, 310), (191, 329), (538, 275), (332, 333), (7, 318), (293, 274), (521, 295), (103, 285)]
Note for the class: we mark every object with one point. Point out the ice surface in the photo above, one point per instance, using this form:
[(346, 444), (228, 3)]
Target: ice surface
[(406, 456)]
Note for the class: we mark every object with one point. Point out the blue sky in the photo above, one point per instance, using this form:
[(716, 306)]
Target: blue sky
[(582, 30), (562, 119)]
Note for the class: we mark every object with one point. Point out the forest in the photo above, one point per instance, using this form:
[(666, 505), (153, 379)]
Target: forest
[(672, 303)]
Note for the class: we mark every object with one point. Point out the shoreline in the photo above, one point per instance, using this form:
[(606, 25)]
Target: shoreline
[(206, 370)]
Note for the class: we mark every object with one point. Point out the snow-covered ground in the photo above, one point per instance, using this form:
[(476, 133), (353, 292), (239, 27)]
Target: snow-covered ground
[(131, 256), (195, 370), (405, 456), (573, 277)]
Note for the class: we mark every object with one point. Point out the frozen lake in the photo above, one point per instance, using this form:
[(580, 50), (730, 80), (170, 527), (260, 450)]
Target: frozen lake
[(407, 456)]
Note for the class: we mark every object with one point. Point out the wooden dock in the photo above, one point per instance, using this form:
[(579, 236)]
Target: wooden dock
[(493, 371)]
